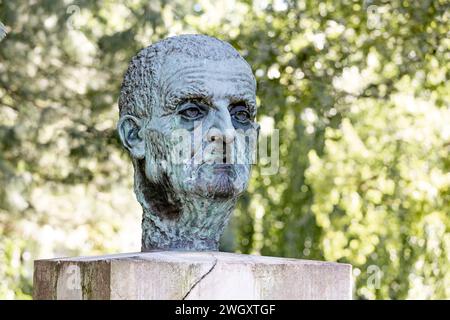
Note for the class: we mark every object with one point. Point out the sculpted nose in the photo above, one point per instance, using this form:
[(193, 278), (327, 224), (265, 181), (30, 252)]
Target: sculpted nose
[(223, 128)]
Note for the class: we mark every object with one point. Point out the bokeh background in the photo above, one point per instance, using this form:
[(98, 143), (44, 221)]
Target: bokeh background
[(358, 90)]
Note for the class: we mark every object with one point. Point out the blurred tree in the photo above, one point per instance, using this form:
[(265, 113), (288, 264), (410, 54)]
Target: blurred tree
[(357, 89)]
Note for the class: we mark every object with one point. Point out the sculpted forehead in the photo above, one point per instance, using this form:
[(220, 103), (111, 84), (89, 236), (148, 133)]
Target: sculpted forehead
[(224, 79)]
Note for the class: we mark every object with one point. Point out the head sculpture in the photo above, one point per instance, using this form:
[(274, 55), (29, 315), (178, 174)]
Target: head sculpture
[(187, 117)]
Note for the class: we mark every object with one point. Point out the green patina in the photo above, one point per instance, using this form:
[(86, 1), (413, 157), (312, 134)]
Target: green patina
[(187, 110)]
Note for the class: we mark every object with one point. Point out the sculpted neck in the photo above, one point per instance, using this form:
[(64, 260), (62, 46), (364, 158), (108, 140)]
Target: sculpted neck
[(198, 226), (173, 221)]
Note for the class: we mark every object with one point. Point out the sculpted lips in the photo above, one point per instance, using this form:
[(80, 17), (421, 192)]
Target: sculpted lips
[(219, 169), (223, 167)]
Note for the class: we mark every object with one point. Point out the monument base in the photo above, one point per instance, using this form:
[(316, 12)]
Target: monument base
[(189, 275)]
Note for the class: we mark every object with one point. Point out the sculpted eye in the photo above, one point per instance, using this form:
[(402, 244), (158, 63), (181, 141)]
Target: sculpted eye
[(240, 113), (191, 112)]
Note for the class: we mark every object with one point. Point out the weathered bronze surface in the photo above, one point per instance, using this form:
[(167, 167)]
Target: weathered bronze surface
[(187, 117)]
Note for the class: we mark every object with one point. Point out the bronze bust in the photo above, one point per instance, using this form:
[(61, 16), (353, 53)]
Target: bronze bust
[(187, 117)]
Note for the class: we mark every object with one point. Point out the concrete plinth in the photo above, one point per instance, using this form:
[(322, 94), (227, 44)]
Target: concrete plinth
[(189, 275)]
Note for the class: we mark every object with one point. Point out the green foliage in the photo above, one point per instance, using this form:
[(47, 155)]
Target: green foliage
[(381, 193), (359, 94)]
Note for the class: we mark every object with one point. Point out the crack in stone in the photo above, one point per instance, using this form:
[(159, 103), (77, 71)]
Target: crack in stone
[(117, 293), (201, 278)]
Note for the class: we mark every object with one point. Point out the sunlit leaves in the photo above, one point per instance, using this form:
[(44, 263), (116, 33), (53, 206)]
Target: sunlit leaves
[(358, 90)]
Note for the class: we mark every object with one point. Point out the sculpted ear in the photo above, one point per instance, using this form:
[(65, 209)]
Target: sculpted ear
[(129, 128)]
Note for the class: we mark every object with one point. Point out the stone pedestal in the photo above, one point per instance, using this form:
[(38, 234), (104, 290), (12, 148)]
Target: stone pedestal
[(189, 275)]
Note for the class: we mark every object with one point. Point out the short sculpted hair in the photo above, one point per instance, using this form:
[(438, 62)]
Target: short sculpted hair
[(140, 87)]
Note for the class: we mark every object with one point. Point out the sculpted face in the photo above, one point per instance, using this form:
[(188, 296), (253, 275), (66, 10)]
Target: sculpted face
[(187, 117), (207, 107)]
